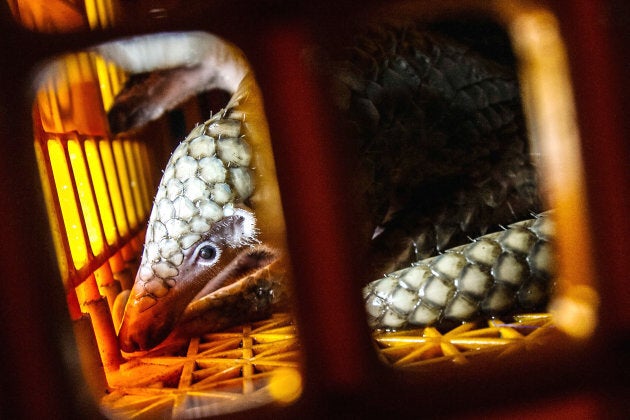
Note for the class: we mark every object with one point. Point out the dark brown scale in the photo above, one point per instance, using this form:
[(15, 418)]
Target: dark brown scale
[(440, 129)]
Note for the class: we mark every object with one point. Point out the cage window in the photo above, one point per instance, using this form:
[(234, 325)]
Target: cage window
[(418, 308), (106, 184)]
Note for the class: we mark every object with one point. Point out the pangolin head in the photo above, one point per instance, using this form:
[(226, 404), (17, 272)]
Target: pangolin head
[(198, 225)]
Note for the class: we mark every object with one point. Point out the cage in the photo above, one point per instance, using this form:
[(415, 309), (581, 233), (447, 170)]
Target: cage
[(83, 195)]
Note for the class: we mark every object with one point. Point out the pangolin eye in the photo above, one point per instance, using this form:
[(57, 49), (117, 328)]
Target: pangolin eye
[(207, 252)]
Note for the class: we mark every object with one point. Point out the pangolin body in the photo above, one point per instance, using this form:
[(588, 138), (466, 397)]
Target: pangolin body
[(444, 157)]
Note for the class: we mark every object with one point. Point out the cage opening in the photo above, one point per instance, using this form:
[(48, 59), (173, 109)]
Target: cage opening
[(100, 190), (532, 37)]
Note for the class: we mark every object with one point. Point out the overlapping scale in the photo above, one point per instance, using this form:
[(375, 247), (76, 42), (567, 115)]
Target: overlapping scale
[(206, 175), (497, 273)]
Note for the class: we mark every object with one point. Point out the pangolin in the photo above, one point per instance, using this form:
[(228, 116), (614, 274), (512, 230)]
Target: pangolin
[(444, 158)]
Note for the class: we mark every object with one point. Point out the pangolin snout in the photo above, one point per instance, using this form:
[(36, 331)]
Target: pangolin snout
[(136, 337), (148, 320), (143, 329)]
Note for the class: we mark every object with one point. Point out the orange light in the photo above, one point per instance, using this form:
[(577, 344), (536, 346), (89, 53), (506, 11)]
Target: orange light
[(105, 82), (100, 189), (69, 97), (123, 172), (62, 260), (285, 385), (104, 9), (68, 203), (109, 166), (63, 16), (100, 13), (60, 100), (90, 11), (86, 197), (575, 312), (48, 107), (117, 77), (135, 185), (548, 100), (144, 175)]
